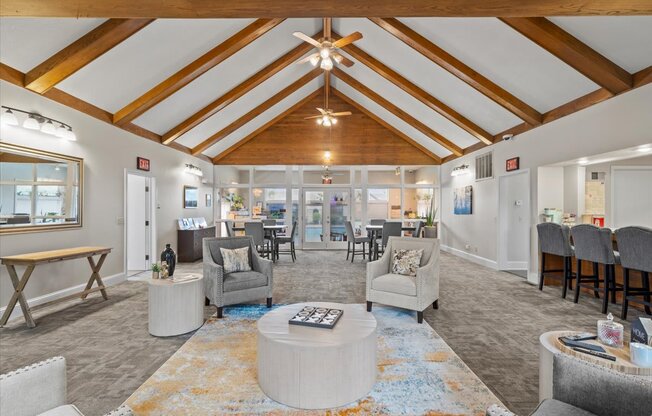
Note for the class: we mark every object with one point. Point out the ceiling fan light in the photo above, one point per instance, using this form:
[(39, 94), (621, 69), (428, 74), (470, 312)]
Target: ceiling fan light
[(31, 123), (325, 53), (333, 120), (314, 60), (9, 118), (319, 121), (49, 128), (326, 64), (327, 122)]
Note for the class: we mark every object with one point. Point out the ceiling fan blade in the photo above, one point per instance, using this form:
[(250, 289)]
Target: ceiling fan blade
[(347, 39), (307, 58), (322, 111), (342, 60), (307, 38), (343, 113), (311, 117)]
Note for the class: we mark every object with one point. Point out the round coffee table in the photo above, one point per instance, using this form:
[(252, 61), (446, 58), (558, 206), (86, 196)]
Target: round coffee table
[(317, 368), (175, 308)]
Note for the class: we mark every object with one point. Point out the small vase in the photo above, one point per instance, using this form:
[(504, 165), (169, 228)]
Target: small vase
[(170, 257), (155, 275), (430, 232)]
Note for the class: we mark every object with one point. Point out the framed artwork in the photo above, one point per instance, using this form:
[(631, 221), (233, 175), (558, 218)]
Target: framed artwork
[(512, 164), (190, 196), (463, 201), (209, 200), (142, 164)]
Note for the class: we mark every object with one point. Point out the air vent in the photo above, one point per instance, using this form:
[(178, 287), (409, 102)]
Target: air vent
[(484, 167), (598, 176)]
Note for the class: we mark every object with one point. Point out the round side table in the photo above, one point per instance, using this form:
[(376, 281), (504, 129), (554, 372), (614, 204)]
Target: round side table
[(316, 368), (175, 308)]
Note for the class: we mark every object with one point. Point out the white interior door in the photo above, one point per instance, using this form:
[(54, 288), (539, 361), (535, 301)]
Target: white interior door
[(514, 221), (138, 223)]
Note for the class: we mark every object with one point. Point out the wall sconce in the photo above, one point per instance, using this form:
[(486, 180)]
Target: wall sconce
[(35, 121), (461, 170), (194, 170)]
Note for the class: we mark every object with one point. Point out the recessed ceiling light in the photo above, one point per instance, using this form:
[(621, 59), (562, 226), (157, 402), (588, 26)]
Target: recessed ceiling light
[(644, 149), (583, 162)]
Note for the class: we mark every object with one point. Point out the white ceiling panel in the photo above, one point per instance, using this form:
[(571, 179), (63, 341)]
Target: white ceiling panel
[(145, 59), (411, 105), (390, 118), (268, 115), (422, 72), (226, 75), (507, 58), (244, 104), (25, 43), (625, 40)]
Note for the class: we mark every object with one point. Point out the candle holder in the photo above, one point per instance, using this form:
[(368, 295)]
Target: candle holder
[(610, 333)]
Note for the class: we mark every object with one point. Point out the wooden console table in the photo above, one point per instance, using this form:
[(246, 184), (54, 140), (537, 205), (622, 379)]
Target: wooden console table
[(31, 260)]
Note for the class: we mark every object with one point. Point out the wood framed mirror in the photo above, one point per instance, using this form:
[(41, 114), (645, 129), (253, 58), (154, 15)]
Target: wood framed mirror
[(39, 190)]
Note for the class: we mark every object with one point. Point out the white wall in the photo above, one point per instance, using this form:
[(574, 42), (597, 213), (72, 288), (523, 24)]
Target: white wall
[(574, 190), (550, 189), (107, 151), (618, 123)]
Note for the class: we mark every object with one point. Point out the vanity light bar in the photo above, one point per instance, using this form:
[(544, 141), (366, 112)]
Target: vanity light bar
[(194, 170), (35, 121)]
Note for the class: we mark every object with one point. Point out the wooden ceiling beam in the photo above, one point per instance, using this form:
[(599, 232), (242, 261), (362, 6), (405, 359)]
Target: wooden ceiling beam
[(317, 8), (381, 101), (462, 71), (195, 69), (81, 52), (238, 91), (386, 125), (16, 77), (418, 93), (572, 51), (266, 126), (275, 99)]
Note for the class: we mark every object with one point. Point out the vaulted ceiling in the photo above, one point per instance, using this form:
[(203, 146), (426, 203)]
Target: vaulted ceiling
[(447, 85)]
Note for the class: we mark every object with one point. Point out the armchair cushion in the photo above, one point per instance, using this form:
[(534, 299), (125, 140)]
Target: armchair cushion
[(395, 283), (65, 410), (552, 407), (235, 260), (406, 262), (243, 280)]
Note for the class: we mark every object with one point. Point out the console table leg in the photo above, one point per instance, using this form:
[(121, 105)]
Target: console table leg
[(95, 276), (18, 296)]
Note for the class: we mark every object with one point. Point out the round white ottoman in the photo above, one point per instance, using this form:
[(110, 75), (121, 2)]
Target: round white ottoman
[(316, 368), (175, 308)]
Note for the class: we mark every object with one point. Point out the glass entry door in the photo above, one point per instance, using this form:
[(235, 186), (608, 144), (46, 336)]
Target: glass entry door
[(325, 211)]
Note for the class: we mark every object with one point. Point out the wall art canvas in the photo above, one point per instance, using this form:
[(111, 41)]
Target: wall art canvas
[(463, 201), (190, 197)]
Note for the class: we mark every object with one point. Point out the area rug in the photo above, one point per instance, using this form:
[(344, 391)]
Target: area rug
[(214, 373)]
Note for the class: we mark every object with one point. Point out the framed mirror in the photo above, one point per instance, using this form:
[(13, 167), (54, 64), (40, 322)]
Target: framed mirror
[(39, 190)]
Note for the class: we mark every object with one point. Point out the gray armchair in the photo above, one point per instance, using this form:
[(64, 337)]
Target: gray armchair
[(223, 289), (410, 292)]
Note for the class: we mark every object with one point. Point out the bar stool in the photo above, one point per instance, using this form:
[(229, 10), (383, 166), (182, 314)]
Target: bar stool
[(594, 244), (554, 239), (635, 248)]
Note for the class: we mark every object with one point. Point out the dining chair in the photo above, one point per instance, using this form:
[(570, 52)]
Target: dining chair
[(284, 239), (390, 229), (417, 229), (352, 240), (256, 231)]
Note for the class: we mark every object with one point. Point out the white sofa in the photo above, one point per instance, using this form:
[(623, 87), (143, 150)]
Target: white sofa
[(40, 390), (410, 292)]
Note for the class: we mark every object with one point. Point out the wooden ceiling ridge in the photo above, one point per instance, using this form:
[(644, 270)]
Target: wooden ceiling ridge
[(81, 52), (404, 116), (15, 77), (257, 111), (238, 91), (195, 69), (333, 8), (418, 93), (267, 125), (573, 52), (462, 71)]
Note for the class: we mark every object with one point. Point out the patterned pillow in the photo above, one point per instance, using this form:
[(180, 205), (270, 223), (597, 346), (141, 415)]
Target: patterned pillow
[(406, 262), (236, 260)]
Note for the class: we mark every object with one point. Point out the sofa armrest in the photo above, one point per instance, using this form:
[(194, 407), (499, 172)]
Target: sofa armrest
[(34, 389), (213, 280), (263, 266), (376, 269), (427, 281)]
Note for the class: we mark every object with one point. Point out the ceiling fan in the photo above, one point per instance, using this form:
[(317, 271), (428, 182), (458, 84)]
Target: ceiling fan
[(328, 49), (327, 117)]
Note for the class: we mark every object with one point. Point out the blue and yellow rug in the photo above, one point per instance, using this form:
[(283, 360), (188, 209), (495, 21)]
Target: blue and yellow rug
[(214, 373)]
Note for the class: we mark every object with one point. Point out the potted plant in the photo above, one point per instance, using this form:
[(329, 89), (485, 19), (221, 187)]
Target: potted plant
[(236, 201), (156, 270), (430, 226)]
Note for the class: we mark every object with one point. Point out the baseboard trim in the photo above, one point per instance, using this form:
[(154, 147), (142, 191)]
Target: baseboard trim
[(471, 257), (39, 300)]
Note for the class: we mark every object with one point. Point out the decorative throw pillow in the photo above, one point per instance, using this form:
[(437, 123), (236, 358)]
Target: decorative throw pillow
[(236, 260), (406, 262)]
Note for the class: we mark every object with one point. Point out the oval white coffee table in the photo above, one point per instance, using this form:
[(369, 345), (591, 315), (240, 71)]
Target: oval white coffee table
[(175, 308), (317, 368)]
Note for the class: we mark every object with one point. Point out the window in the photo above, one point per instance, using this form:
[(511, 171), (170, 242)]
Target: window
[(484, 166)]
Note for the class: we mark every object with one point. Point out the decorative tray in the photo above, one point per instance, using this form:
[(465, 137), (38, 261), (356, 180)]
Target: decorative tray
[(317, 317)]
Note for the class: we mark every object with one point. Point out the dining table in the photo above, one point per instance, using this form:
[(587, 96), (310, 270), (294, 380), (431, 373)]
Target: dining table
[(373, 232), (274, 230)]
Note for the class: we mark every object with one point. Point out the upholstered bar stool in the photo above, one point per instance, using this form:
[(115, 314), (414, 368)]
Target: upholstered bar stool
[(594, 244), (635, 248), (554, 239)]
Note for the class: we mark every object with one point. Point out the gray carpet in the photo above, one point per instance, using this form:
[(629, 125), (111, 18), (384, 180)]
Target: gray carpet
[(491, 319)]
